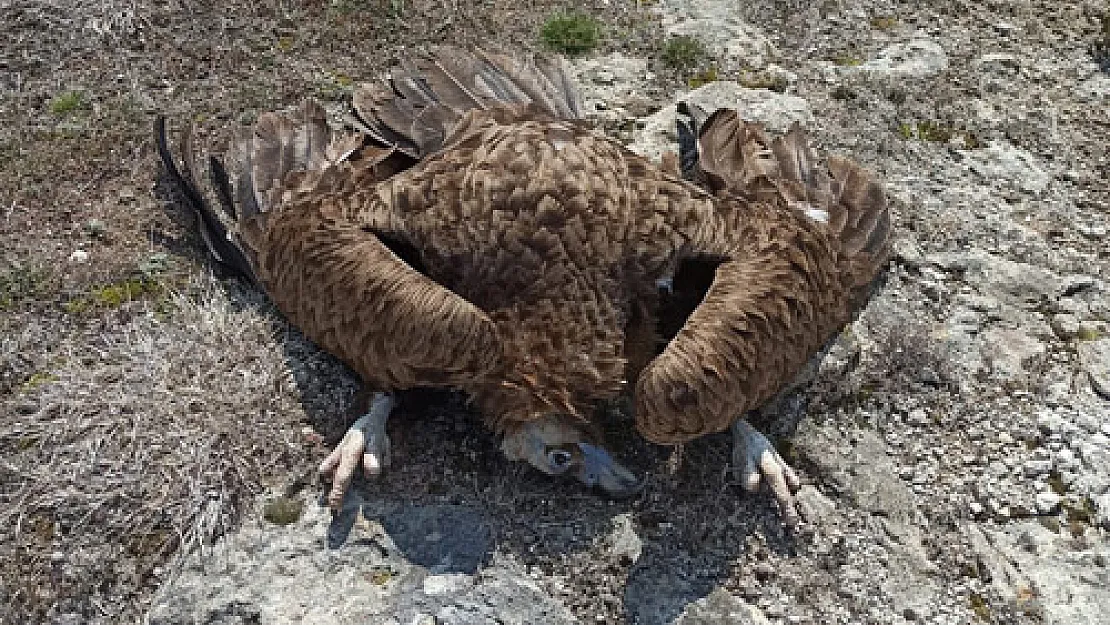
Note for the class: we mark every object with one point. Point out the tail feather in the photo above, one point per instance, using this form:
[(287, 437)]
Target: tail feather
[(689, 123), (223, 186), (425, 98), (209, 225), (737, 156), (379, 113), (275, 156), (804, 182), (864, 220)]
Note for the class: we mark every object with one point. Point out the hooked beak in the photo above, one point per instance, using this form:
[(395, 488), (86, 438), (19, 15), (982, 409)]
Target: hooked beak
[(599, 469)]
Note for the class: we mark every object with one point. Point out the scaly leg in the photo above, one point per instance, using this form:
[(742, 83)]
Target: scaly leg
[(755, 459), (365, 443)]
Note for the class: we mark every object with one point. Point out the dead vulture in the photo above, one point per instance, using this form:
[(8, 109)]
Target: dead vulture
[(474, 233)]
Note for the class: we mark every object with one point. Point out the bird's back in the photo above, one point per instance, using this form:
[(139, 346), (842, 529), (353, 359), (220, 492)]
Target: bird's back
[(478, 235)]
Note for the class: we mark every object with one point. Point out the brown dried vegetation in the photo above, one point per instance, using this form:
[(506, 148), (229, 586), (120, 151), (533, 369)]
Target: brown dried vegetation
[(137, 421)]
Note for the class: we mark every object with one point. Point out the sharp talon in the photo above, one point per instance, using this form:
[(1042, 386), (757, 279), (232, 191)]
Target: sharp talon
[(372, 465), (757, 461), (365, 444), (751, 481)]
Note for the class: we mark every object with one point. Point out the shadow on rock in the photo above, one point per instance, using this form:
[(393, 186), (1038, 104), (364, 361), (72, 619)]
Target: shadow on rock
[(442, 538)]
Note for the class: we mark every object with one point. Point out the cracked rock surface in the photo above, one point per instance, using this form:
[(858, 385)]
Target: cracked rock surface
[(956, 449)]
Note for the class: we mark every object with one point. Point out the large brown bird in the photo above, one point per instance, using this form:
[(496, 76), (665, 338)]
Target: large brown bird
[(474, 233)]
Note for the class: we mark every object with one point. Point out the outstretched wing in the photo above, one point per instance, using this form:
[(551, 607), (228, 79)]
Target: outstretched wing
[(799, 248), (419, 107), (334, 279)]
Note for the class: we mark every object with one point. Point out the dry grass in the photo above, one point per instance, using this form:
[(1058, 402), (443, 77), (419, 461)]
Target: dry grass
[(149, 439), (905, 350), (136, 423)]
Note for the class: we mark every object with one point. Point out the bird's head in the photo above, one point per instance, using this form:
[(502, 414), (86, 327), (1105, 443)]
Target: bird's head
[(557, 445)]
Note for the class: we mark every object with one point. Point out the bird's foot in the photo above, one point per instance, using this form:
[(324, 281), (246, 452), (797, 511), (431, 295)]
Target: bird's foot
[(365, 444), (756, 460)]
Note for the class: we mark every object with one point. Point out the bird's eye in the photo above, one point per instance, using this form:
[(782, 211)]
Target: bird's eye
[(559, 459)]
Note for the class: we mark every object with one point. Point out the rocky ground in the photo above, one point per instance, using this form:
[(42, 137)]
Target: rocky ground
[(956, 451)]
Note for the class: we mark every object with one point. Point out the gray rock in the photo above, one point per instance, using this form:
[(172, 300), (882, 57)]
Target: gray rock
[(721, 608), (997, 64), (1102, 510), (1047, 502), (381, 573), (917, 58), (861, 469), (1033, 468), (1014, 283), (1092, 231), (776, 111), (733, 42), (623, 540), (1005, 164), (1037, 569), (814, 507), (1094, 89), (1008, 352), (1049, 420), (504, 598), (429, 536), (612, 86), (448, 583), (1066, 326), (1094, 357)]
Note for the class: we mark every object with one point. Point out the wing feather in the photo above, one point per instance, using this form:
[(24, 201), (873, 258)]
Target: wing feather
[(803, 246)]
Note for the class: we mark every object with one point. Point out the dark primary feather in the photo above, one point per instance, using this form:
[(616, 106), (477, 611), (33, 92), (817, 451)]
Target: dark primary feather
[(211, 228), (427, 96)]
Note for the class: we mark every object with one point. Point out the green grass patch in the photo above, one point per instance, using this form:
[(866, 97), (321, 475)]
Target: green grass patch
[(283, 510), (1079, 511), (884, 23), (114, 295), (846, 60), (1088, 333), (37, 379), (65, 104), (684, 52), (1056, 483), (572, 33), (938, 133), (980, 607), (762, 80), (380, 576), (703, 77)]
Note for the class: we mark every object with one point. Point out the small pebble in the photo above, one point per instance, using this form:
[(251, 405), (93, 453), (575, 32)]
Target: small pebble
[(1034, 468), (1047, 502)]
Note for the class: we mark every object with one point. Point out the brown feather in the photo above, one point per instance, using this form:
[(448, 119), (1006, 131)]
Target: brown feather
[(539, 245), (790, 282), (428, 96)]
